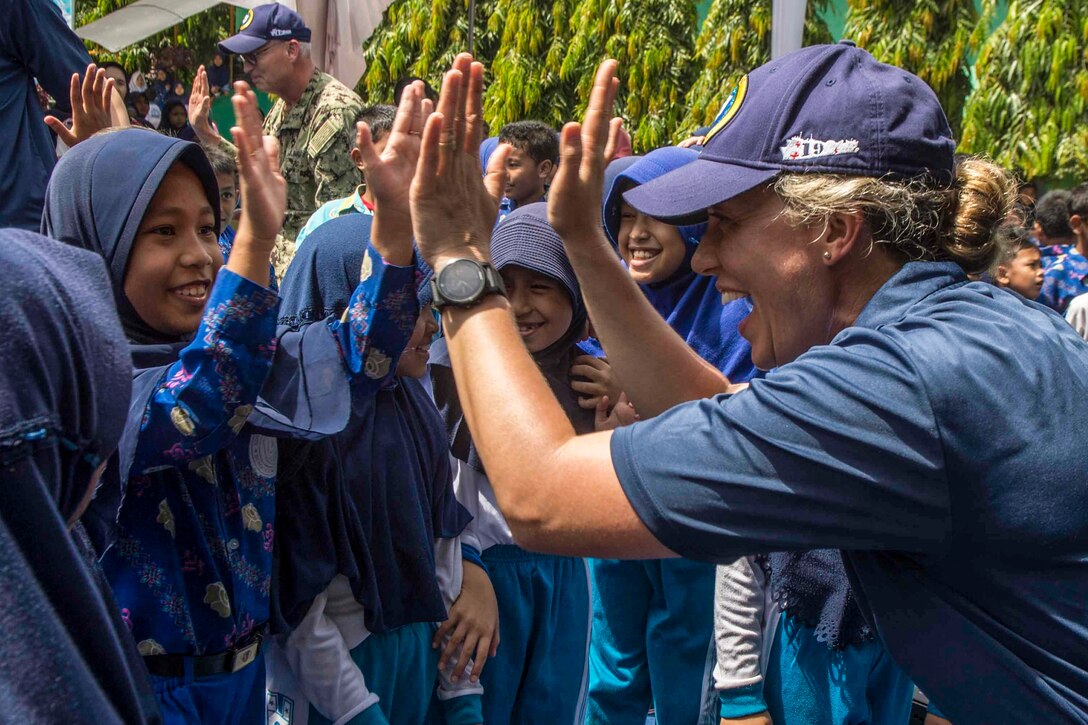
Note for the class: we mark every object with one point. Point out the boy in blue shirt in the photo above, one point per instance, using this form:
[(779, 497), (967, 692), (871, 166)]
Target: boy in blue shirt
[(530, 164), (1064, 279)]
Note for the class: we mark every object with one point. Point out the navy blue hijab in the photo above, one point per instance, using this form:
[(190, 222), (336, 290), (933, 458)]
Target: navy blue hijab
[(97, 197), (525, 239), (370, 502), (64, 386), (689, 302)]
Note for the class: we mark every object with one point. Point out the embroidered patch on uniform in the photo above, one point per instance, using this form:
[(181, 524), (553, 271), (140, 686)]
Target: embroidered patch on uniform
[(241, 415), (377, 364), (729, 109), (246, 20), (263, 455), (182, 420), (368, 267), (251, 518), (215, 595), (323, 137), (798, 148), (166, 518), (204, 468)]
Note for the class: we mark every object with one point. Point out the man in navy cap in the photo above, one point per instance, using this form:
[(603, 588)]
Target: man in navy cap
[(314, 118)]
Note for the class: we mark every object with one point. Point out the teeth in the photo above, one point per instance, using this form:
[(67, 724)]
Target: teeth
[(196, 290), (728, 297), (643, 254)]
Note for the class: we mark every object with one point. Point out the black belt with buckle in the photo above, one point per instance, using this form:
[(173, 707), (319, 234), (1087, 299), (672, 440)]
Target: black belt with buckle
[(208, 665)]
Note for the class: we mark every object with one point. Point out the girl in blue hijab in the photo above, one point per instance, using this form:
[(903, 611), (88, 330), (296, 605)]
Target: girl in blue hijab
[(653, 621), (185, 519), (539, 672), (368, 555), (64, 388)]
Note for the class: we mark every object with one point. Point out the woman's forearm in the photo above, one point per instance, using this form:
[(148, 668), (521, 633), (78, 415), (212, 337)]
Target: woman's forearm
[(558, 491), (655, 366)]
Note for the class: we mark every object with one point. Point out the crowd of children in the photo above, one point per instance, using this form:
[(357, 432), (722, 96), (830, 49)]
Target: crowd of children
[(291, 514)]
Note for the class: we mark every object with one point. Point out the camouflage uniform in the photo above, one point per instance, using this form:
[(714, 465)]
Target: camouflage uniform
[(316, 137)]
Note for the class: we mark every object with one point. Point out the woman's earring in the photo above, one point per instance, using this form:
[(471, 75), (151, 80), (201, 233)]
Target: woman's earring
[(827, 255)]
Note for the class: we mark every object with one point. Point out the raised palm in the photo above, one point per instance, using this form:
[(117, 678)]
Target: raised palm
[(264, 190)]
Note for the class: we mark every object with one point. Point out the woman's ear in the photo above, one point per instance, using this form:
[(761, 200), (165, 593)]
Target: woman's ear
[(843, 233)]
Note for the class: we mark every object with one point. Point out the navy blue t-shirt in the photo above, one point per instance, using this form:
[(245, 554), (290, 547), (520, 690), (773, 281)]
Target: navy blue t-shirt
[(35, 42), (942, 444)]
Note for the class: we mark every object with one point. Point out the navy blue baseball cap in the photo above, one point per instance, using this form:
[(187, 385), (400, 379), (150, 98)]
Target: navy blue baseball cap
[(830, 109), (264, 23)]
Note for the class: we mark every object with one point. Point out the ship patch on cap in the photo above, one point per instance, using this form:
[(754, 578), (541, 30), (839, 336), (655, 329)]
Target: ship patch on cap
[(798, 148), (729, 108), (246, 20)]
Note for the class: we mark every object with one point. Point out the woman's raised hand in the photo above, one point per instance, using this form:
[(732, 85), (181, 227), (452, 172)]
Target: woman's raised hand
[(264, 190), (574, 199), (453, 208)]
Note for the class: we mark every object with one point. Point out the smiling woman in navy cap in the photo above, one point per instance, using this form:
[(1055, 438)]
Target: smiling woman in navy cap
[(895, 423)]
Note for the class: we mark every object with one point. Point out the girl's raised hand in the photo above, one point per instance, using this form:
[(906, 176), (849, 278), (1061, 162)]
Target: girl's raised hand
[(389, 175), (91, 102), (453, 210), (574, 199), (264, 190), (200, 108)]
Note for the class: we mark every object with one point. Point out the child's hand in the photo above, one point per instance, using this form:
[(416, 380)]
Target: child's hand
[(91, 102), (453, 209), (264, 191), (200, 108), (389, 176), (599, 381), (472, 626), (623, 413)]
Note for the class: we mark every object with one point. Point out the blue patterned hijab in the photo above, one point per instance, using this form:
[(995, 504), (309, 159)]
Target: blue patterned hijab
[(64, 386), (688, 301), (370, 502)]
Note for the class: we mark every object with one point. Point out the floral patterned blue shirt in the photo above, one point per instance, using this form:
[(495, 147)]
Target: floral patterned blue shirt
[(1064, 280), (191, 565)]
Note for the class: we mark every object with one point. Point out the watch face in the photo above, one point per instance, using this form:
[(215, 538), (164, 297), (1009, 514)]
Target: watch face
[(461, 281)]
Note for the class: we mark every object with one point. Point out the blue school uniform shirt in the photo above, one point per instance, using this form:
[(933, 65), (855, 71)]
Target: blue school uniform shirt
[(1064, 280), (192, 560), (34, 42), (917, 442)]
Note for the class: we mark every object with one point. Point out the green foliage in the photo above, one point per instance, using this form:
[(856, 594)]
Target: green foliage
[(931, 38), (653, 40), (421, 38), (525, 78), (186, 45), (1030, 106), (736, 38)]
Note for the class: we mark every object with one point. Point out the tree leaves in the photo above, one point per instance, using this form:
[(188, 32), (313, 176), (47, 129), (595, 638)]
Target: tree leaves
[(931, 38), (1029, 109)]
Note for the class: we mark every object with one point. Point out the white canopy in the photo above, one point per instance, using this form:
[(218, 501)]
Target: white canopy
[(340, 27), (144, 18)]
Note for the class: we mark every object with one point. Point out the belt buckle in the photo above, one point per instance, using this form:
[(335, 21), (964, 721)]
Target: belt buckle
[(246, 655)]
